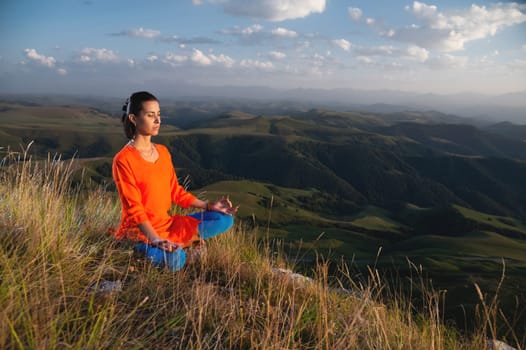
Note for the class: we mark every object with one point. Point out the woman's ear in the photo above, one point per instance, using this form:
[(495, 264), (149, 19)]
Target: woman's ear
[(131, 117)]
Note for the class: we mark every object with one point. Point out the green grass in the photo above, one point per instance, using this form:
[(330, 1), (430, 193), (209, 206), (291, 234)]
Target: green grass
[(485, 245), (498, 222), (376, 219)]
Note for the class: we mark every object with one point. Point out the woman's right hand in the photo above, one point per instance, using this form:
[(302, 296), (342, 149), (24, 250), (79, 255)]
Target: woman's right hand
[(165, 245)]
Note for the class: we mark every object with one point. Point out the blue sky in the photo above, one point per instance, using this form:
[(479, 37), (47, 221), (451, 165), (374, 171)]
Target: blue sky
[(114, 46)]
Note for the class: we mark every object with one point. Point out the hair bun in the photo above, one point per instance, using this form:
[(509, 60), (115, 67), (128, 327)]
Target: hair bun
[(125, 106)]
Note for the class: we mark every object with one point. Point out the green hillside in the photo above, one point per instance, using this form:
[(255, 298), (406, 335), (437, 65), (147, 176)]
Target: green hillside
[(341, 185)]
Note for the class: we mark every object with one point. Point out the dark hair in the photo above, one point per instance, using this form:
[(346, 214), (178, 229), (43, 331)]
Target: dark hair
[(133, 105)]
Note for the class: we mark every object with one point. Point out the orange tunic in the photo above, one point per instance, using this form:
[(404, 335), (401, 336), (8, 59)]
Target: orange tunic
[(147, 191)]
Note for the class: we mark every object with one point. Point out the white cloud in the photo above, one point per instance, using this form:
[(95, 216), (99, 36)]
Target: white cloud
[(370, 21), (276, 55), (197, 2), (88, 55), (200, 58), (342, 43), (62, 71), (144, 33), (262, 65), (152, 58), (451, 31), (383, 50), (247, 31), (418, 53), (34, 56), (364, 59), (284, 33), (222, 59), (523, 47), (196, 57), (355, 13), (256, 28), (171, 58), (139, 33), (273, 10)]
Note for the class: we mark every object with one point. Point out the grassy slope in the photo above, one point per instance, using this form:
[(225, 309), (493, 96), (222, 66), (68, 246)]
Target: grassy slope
[(58, 257)]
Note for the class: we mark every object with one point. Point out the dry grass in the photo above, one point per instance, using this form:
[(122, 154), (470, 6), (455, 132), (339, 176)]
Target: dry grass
[(55, 252)]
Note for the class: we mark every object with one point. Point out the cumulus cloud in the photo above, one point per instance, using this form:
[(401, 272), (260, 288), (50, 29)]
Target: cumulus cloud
[(200, 58), (43, 60), (273, 10), (171, 59), (355, 13), (223, 60), (196, 57), (282, 32), (418, 53), (34, 56), (451, 31), (342, 43), (90, 55)]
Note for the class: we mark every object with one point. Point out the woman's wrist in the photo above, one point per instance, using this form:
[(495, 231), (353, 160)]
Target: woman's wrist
[(208, 206)]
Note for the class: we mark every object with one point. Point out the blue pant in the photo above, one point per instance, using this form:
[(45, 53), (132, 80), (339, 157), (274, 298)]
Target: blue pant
[(212, 224)]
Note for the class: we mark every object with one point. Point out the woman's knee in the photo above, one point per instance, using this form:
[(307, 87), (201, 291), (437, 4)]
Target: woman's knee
[(228, 222), (174, 261)]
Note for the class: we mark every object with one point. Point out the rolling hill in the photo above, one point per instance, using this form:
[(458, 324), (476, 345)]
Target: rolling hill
[(418, 185)]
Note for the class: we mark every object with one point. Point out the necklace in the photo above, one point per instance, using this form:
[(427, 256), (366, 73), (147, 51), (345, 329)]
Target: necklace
[(145, 154)]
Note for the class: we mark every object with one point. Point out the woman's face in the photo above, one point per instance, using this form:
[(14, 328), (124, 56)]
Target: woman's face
[(148, 121)]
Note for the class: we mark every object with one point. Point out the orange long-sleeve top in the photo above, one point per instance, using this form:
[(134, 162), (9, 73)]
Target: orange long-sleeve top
[(147, 191)]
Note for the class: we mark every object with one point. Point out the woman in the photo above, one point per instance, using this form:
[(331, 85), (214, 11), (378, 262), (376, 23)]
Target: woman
[(147, 184)]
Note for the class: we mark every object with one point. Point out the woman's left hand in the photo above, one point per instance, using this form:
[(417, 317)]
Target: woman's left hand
[(224, 206)]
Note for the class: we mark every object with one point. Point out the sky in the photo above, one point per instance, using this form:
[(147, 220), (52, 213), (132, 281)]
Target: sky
[(115, 46)]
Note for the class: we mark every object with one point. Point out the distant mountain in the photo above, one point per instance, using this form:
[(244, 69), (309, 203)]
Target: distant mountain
[(508, 129), (186, 100), (484, 108)]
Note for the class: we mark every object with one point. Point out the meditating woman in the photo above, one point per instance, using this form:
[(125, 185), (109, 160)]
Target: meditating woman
[(147, 185)]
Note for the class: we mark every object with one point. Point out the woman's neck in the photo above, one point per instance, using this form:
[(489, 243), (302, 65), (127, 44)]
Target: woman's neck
[(141, 142)]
